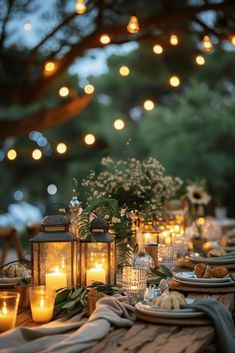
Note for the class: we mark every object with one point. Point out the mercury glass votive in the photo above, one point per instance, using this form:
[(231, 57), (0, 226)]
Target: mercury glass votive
[(9, 302), (42, 301), (167, 255), (134, 283)]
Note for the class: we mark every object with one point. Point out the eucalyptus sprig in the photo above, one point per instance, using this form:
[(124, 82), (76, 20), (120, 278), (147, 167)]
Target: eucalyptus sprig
[(69, 302), (108, 289)]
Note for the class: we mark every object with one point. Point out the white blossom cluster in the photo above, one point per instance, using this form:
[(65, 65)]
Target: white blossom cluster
[(135, 184)]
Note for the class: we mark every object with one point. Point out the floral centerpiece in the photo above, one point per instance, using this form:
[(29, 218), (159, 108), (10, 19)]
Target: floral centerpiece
[(140, 188), (137, 185)]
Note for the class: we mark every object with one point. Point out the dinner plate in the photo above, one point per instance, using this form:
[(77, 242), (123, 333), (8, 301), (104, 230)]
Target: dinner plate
[(229, 248), (9, 281), (212, 260), (191, 277), (205, 284), (163, 313)]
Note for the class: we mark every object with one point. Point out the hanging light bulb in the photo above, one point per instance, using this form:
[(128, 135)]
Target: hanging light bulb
[(207, 44), (105, 39), (133, 25), (174, 39), (80, 7), (233, 40)]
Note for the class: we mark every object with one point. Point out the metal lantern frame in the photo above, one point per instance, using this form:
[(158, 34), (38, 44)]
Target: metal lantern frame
[(54, 229), (98, 235)]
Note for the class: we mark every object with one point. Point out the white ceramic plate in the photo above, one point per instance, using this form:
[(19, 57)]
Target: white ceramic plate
[(8, 281), (205, 284), (176, 314), (191, 277), (212, 260), (229, 248)]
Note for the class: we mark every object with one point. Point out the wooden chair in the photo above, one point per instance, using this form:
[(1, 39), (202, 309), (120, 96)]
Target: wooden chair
[(8, 234)]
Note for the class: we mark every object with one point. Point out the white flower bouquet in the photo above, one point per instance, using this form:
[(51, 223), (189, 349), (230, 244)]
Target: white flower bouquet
[(137, 185)]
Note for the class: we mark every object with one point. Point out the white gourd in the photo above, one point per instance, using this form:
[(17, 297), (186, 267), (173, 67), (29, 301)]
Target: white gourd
[(170, 300)]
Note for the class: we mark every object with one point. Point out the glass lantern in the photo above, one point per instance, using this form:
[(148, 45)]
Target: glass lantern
[(54, 254), (147, 235), (98, 255)]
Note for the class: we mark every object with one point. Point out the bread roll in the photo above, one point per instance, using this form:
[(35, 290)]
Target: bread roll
[(202, 270), (216, 252), (219, 272)]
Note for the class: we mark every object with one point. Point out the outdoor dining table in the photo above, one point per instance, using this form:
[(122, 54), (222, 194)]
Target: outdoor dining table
[(145, 337)]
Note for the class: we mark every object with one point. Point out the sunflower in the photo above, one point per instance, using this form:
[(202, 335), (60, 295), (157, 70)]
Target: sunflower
[(197, 195)]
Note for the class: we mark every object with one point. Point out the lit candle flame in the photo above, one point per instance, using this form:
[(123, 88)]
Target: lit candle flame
[(4, 308), (42, 303)]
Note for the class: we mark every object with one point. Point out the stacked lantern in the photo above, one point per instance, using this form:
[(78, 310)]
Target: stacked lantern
[(54, 254), (97, 255)]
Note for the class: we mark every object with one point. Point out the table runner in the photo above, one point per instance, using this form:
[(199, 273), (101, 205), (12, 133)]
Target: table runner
[(71, 336)]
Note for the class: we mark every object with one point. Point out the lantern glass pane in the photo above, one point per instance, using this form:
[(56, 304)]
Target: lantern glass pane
[(98, 263), (53, 263)]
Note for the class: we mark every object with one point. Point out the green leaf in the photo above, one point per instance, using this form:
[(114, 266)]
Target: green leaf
[(158, 273), (166, 271), (77, 293), (197, 249), (69, 305), (62, 295)]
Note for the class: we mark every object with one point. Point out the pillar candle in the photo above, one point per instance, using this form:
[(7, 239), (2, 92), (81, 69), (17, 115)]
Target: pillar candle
[(95, 274), (56, 279)]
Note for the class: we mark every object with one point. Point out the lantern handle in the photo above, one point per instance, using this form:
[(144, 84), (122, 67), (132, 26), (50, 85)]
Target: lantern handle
[(60, 210)]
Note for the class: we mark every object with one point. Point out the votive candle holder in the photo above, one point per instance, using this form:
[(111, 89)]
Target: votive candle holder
[(42, 300), (134, 283), (9, 302)]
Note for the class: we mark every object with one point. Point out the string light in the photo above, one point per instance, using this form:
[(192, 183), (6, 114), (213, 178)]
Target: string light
[(124, 71), (233, 40), (49, 67), (174, 39), (105, 39), (37, 154), (149, 105), (52, 189), (89, 139), (27, 26), (174, 81), (89, 89), (64, 91), (133, 25), (80, 7), (119, 124), (61, 148), (11, 154), (207, 44), (200, 60), (157, 49)]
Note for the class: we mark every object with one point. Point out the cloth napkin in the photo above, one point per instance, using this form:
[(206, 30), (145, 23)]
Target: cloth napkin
[(222, 321), (71, 336)]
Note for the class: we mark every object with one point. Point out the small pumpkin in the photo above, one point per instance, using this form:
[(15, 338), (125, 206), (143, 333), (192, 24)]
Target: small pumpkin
[(170, 300), (14, 270)]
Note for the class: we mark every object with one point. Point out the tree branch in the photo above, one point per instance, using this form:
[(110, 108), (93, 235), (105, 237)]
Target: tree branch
[(119, 35), (3, 34), (44, 119)]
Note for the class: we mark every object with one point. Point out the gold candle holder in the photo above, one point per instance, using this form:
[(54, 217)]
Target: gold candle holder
[(42, 303), (9, 302)]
